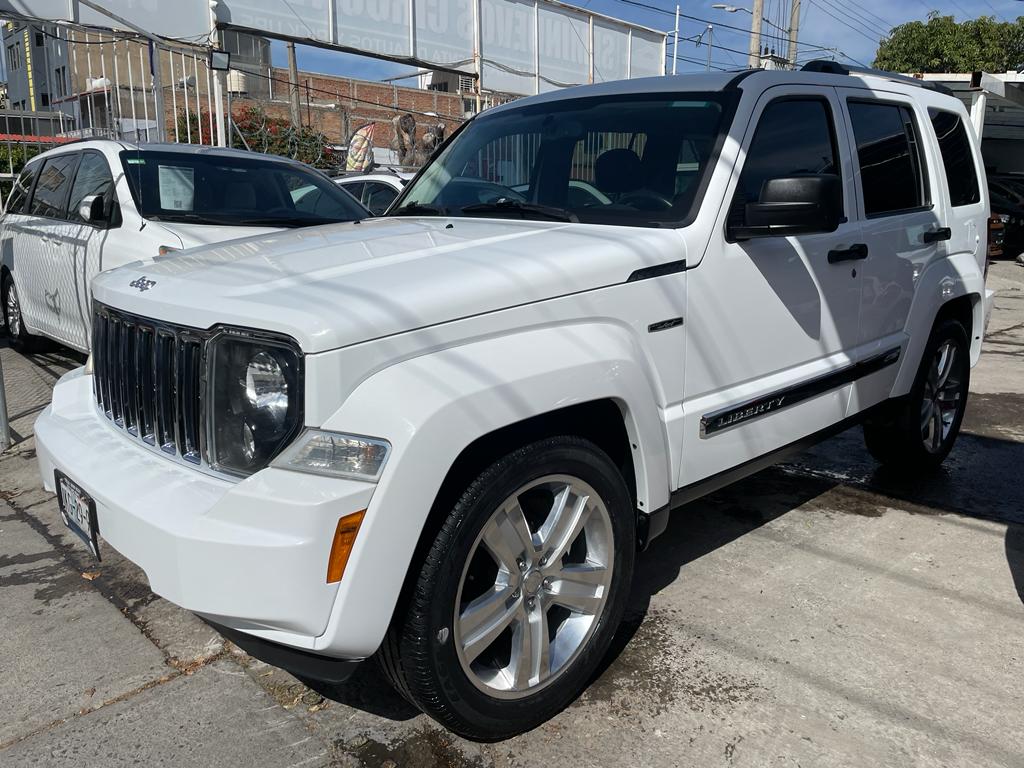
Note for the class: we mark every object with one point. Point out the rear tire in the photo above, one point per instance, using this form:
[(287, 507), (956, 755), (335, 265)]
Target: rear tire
[(518, 598), (918, 431), (21, 340)]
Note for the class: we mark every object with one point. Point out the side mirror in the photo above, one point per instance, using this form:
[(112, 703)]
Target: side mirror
[(793, 205), (91, 209)]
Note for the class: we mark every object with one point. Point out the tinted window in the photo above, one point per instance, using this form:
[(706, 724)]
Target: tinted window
[(51, 195), (233, 189), (961, 176), (609, 160), (378, 197), (793, 137), (93, 178), (890, 161), (22, 186), (355, 189)]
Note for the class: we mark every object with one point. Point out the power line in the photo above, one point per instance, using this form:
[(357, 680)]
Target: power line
[(861, 26), (860, 32)]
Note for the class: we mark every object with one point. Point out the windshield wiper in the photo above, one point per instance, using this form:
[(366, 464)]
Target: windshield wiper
[(508, 205), (419, 209)]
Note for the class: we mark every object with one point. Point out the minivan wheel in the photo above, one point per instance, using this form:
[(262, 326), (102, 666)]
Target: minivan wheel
[(918, 431), (520, 594), (20, 338)]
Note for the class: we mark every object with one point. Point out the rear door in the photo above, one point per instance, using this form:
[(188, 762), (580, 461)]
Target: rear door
[(42, 249), (904, 224)]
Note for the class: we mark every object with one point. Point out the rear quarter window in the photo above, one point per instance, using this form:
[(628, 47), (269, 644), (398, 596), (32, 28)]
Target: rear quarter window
[(957, 157)]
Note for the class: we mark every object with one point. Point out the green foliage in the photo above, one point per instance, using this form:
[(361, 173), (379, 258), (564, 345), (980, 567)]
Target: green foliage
[(942, 45), (264, 133)]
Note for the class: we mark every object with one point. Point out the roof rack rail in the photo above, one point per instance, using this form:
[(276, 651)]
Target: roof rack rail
[(830, 67)]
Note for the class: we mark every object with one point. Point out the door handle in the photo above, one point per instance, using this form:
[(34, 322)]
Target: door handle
[(855, 252), (934, 236)]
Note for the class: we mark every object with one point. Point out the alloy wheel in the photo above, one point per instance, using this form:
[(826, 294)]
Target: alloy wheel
[(13, 312), (943, 393), (534, 586)]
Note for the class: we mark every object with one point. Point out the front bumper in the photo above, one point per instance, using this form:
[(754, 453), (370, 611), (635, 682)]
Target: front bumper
[(249, 555)]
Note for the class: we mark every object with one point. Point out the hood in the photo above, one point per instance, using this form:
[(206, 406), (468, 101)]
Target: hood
[(340, 284), (192, 235)]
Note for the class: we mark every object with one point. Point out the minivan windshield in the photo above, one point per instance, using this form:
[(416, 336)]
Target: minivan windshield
[(229, 190), (633, 159)]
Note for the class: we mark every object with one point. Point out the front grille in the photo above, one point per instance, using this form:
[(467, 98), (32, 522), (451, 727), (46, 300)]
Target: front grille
[(148, 379)]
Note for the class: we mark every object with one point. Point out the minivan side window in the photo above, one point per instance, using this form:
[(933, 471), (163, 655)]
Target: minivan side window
[(93, 178), (51, 196), (794, 136), (22, 188), (889, 152), (961, 175)]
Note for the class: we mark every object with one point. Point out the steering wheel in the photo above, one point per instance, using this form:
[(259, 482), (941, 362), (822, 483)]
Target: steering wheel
[(646, 200)]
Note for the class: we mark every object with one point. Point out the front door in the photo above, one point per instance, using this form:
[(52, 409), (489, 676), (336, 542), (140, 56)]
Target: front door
[(772, 321)]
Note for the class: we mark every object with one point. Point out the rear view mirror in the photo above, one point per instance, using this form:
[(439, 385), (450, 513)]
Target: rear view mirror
[(793, 205), (91, 209)]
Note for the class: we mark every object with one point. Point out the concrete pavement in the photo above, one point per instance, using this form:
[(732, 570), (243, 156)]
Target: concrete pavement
[(820, 613)]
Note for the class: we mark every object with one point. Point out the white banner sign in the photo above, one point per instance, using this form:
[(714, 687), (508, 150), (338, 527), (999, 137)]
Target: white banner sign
[(526, 46)]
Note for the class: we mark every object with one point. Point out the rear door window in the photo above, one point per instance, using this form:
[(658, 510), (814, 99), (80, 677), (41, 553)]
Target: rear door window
[(51, 196), (16, 203), (957, 157), (378, 196), (891, 162)]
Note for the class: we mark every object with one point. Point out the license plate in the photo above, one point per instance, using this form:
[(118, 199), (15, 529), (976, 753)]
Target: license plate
[(78, 511)]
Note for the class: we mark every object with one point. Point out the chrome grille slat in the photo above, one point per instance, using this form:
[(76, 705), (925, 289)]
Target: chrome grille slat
[(148, 381)]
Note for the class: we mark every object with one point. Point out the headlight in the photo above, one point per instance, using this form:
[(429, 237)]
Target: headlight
[(335, 454), (255, 401)]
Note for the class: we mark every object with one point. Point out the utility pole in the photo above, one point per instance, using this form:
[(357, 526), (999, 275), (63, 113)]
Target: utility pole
[(711, 33), (218, 82), (293, 87), (794, 28), (675, 43), (754, 61)]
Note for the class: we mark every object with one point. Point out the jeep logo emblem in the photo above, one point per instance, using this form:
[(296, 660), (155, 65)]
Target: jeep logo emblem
[(142, 283)]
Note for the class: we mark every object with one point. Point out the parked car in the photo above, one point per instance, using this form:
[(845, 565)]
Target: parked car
[(1011, 214), (442, 437), (93, 205), (377, 190)]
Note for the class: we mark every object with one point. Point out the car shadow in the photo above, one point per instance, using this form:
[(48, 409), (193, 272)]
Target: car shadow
[(976, 481)]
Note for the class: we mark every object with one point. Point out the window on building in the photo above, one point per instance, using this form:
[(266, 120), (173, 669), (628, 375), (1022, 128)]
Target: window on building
[(888, 150), (793, 136), (51, 196), (39, 40), (957, 158), (14, 56), (60, 82)]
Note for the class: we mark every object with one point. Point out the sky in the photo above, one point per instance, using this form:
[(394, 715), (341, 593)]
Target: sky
[(853, 28)]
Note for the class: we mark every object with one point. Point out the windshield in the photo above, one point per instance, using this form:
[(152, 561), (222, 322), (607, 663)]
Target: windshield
[(233, 191), (636, 160)]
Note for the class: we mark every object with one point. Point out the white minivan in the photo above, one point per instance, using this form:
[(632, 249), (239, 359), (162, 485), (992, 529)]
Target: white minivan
[(89, 206), (442, 437)]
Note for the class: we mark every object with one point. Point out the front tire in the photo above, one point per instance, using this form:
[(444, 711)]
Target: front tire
[(918, 432), (520, 594)]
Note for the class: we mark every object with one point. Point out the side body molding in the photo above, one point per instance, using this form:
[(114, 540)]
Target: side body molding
[(432, 407)]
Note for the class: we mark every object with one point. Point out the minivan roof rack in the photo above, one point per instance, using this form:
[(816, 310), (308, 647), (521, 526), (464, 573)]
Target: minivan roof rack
[(829, 67)]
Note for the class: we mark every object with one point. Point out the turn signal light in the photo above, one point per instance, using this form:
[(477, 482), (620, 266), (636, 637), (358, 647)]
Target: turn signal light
[(341, 548)]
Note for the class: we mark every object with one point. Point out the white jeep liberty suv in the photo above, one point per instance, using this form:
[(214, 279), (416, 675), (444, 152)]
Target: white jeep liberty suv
[(442, 437)]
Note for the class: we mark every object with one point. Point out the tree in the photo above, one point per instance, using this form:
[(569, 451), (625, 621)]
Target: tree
[(264, 133), (942, 45)]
